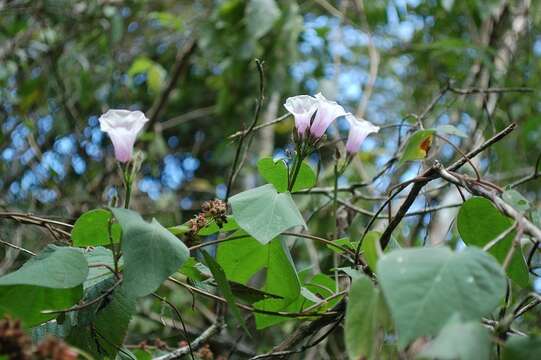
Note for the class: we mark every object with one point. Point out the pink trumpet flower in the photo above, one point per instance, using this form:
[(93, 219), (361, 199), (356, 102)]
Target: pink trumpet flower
[(327, 112), (302, 107), (122, 126), (359, 129)]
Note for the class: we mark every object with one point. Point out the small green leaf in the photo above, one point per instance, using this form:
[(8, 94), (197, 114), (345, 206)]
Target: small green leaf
[(195, 270), (306, 178), (276, 173), (49, 281), (179, 229), (167, 19), (343, 242), (516, 200), (417, 146), (140, 65), (369, 247), (264, 213), (151, 253), (461, 341), (366, 315), (155, 78), (220, 277), (479, 222), (92, 229), (213, 228), (424, 287)]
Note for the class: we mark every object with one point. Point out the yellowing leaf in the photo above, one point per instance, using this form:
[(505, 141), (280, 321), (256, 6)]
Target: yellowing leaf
[(418, 146)]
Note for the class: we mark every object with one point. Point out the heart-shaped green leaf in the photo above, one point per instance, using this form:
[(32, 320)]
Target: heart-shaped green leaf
[(242, 259), (49, 281), (276, 173), (264, 213), (479, 222), (92, 229), (150, 252), (366, 314), (424, 287)]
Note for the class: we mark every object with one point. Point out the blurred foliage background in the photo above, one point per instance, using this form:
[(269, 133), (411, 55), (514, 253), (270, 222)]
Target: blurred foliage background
[(189, 65)]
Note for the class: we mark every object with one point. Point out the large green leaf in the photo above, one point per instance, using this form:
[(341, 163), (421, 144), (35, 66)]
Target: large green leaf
[(101, 261), (221, 279), (242, 259), (424, 287), (479, 222), (523, 348), (151, 253), (49, 281), (264, 213), (366, 315), (417, 146), (104, 333), (92, 229), (276, 173), (460, 341)]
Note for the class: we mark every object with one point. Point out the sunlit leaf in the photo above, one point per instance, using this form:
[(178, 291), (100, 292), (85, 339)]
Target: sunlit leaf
[(264, 213), (92, 229), (418, 145)]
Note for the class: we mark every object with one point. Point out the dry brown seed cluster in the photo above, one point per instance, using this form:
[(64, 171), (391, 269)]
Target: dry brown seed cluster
[(14, 343), (216, 209), (213, 209), (55, 349), (197, 223), (205, 353)]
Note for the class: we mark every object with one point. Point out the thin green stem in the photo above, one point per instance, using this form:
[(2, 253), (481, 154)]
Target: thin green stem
[(128, 180), (297, 163), (335, 199)]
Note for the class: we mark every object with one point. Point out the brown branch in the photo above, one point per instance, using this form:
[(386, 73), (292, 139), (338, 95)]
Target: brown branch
[(181, 63), (431, 174)]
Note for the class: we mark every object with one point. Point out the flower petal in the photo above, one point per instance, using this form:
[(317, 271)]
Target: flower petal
[(359, 129), (327, 112), (122, 126), (302, 107)]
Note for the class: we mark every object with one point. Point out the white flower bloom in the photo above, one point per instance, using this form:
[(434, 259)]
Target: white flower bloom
[(359, 129), (122, 126), (302, 107)]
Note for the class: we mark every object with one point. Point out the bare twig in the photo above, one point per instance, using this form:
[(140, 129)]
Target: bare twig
[(181, 63), (259, 104), (270, 123), (194, 345), (20, 248)]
